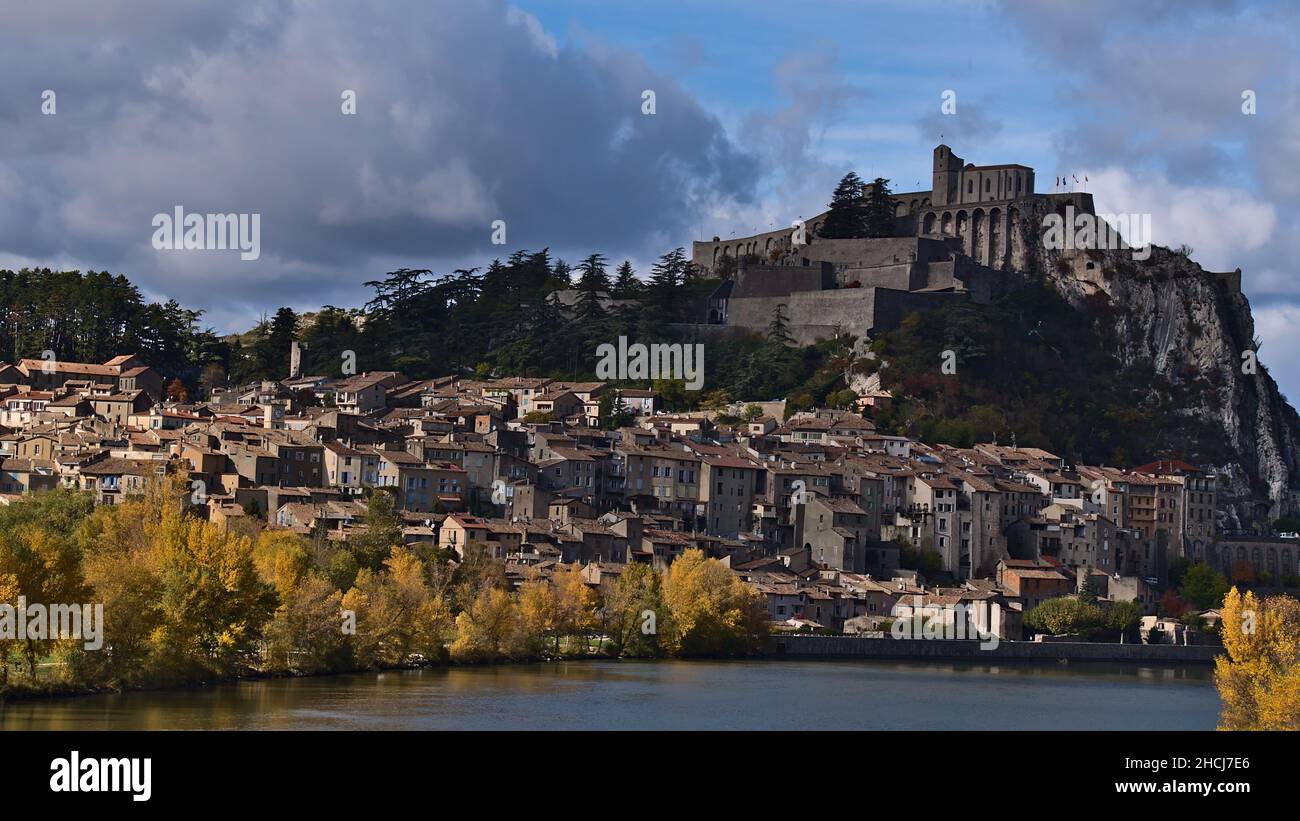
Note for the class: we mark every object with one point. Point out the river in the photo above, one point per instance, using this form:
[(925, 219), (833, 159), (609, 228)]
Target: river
[(668, 695)]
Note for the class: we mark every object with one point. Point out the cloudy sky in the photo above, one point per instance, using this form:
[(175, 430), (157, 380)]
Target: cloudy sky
[(473, 111)]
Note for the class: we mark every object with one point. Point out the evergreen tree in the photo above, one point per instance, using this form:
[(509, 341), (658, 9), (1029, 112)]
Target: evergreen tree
[(562, 273), (590, 322), (846, 219), (626, 285), (878, 210), (592, 277), (664, 298)]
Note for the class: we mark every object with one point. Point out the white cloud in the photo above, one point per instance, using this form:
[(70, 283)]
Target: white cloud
[(1219, 223), (1278, 328)]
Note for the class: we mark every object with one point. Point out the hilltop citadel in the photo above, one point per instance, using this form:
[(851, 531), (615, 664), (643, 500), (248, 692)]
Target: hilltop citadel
[(963, 238)]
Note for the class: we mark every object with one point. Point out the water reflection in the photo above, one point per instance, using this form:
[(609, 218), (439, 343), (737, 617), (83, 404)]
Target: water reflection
[(670, 695)]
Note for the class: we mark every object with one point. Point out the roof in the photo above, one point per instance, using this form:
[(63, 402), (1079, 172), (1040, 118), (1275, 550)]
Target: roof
[(29, 365)]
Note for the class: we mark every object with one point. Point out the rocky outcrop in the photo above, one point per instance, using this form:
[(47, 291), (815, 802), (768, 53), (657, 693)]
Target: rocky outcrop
[(1194, 328)]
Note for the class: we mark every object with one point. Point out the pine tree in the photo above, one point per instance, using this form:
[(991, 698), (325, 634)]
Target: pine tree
[(626, 285), (846, 219), (878, 211), (592, 277), (664, 295), (590, 321), (562, 274), (778, 330)]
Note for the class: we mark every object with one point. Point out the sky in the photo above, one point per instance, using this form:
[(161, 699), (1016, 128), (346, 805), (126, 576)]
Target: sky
[(532, 114)]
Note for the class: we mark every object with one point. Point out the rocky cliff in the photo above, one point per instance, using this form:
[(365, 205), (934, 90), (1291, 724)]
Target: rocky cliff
[(1193, 327)]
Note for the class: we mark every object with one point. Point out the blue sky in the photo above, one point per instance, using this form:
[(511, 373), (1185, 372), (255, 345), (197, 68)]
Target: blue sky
[(479, 110)]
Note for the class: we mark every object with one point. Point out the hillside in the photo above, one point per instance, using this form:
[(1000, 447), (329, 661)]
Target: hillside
[(1106, 359)]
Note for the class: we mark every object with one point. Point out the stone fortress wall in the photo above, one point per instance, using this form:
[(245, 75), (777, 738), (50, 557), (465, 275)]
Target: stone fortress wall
[(954, 241)]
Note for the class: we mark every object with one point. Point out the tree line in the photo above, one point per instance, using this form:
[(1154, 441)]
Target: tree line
[(506, 319), (185, 601)]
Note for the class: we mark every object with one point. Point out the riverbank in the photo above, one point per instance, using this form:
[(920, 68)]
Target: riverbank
[(854, 647)]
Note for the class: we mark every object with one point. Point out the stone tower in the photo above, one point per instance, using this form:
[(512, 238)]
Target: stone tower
[(947, 176)]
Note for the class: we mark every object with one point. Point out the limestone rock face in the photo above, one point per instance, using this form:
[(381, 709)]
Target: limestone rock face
[(1193, 326)]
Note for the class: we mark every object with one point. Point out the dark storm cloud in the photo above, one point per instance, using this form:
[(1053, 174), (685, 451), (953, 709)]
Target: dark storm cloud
[(467, 113)]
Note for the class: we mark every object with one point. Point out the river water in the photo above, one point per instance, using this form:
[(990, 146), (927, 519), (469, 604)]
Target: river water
[(669, 695)]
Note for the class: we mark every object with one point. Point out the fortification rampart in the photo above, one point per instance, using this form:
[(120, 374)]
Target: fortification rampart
[(966, 243)]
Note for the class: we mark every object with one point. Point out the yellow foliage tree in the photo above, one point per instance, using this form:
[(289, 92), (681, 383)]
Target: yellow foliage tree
[(539, 612), (177, 590), (1259, 679), (712, 611), (282, 559), (490, 628), (575, 603), (397, 613)]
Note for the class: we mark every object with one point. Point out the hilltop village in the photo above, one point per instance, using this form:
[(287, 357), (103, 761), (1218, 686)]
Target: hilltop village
[(832, 521)]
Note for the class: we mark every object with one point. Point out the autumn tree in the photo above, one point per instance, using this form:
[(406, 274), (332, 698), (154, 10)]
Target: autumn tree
[(490, 629), (398, 614), (477, 570), (304, 635), (182, 597), (575, 603), (177, 392), (1171, 605), (1243, 572), (1259, 678), (634, 615), (713, 612), (539, 613)]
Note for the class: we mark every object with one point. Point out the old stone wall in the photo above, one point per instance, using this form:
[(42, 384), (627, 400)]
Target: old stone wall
[(890, 648), (781, 280)]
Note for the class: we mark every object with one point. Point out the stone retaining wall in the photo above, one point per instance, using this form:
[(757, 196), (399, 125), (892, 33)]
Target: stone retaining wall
[(887, 648)]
